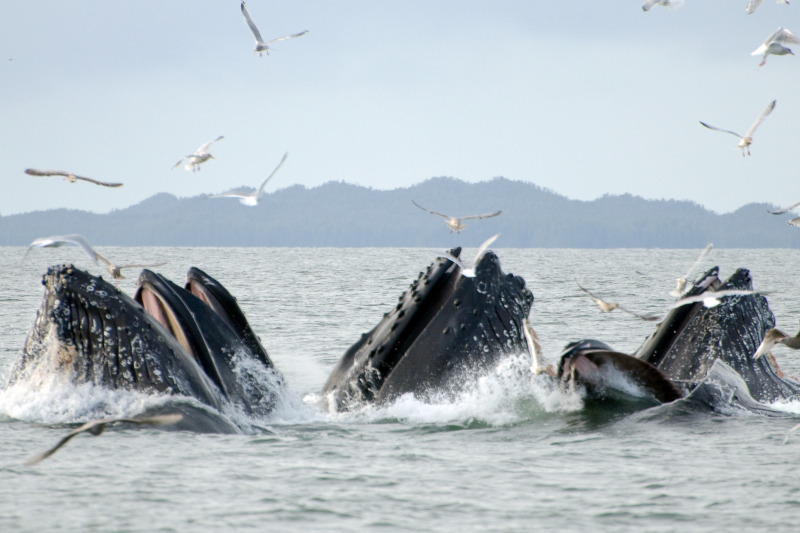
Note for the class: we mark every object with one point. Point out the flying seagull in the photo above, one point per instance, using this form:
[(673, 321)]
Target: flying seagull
[(747, 140), (200, 156), (251, 198), (607, 307), (774, 45), (782, 210), (776, 336), (262, 46), (712, 298), (115, 270), (470, 272), (68, 176), (454, 223), (57, 241), (671, 4), (96, 427), (753, 5), (680, 288)]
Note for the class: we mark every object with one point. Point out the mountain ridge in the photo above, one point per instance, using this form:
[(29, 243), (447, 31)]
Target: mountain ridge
[(340, 214)]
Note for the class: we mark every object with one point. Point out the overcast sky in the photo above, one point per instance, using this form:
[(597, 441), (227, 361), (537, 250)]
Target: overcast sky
[(583, 97)]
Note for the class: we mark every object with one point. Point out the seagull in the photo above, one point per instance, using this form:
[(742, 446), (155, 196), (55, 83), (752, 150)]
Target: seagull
[(607, 307), (774, 45), (115, 270), (251, 198), (454, 223), (747, 140), (96, 427), (753, 5), (782, 210), (539, 363), (795, 428), (60, 240), (200, 156), (776, 336), (794, 222), (68, 176), (680, 288), (671, 4), (712, 298), (470, 272), (262, 46)]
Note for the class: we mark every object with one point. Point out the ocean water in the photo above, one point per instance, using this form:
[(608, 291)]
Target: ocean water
[(507, 453)]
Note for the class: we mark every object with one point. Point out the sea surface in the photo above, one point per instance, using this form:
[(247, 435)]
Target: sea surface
[(508, 453)]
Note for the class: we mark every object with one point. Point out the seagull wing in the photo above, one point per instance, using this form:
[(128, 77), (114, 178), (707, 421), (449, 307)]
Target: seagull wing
[(292, 36), (752, 6), (719, 129), (483, 248), (260, 192), (103, 183), (769, 341), (141, 266), (204, 147), (490, 215), (647, 317), (794, 222), (592, 296), (235, 194), (34, 172), (59, 240), (782, 36), (784, 209), (712, 294), (702, 256), (251, 25), (431, 212), (178, 163), (103, 259), (650, 4), (96, 427), (761, 118)]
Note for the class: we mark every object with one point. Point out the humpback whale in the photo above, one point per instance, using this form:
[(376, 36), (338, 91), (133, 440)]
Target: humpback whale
[(677, 358), (600, 369), (443, 327), (164, 340), (692, 337)]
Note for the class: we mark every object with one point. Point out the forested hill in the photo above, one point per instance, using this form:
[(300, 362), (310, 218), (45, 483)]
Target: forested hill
[(343, 215)]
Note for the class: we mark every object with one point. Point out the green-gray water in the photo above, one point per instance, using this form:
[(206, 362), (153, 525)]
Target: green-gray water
[(506, 455)]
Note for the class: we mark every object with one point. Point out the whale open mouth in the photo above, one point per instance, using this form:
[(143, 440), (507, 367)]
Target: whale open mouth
[(159, 308)]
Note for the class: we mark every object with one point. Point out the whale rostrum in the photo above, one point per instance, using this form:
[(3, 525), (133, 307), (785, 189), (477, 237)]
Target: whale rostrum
[(443, 326)]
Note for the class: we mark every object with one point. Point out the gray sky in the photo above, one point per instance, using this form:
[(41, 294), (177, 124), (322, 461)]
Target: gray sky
[(583, 97)]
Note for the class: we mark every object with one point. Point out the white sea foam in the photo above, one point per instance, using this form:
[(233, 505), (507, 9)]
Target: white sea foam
[(507, 394), (59, 401), (787, 407)]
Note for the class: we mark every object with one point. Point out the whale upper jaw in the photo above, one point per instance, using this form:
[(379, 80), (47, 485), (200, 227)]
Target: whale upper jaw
[(224, 304), (443, 325)]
